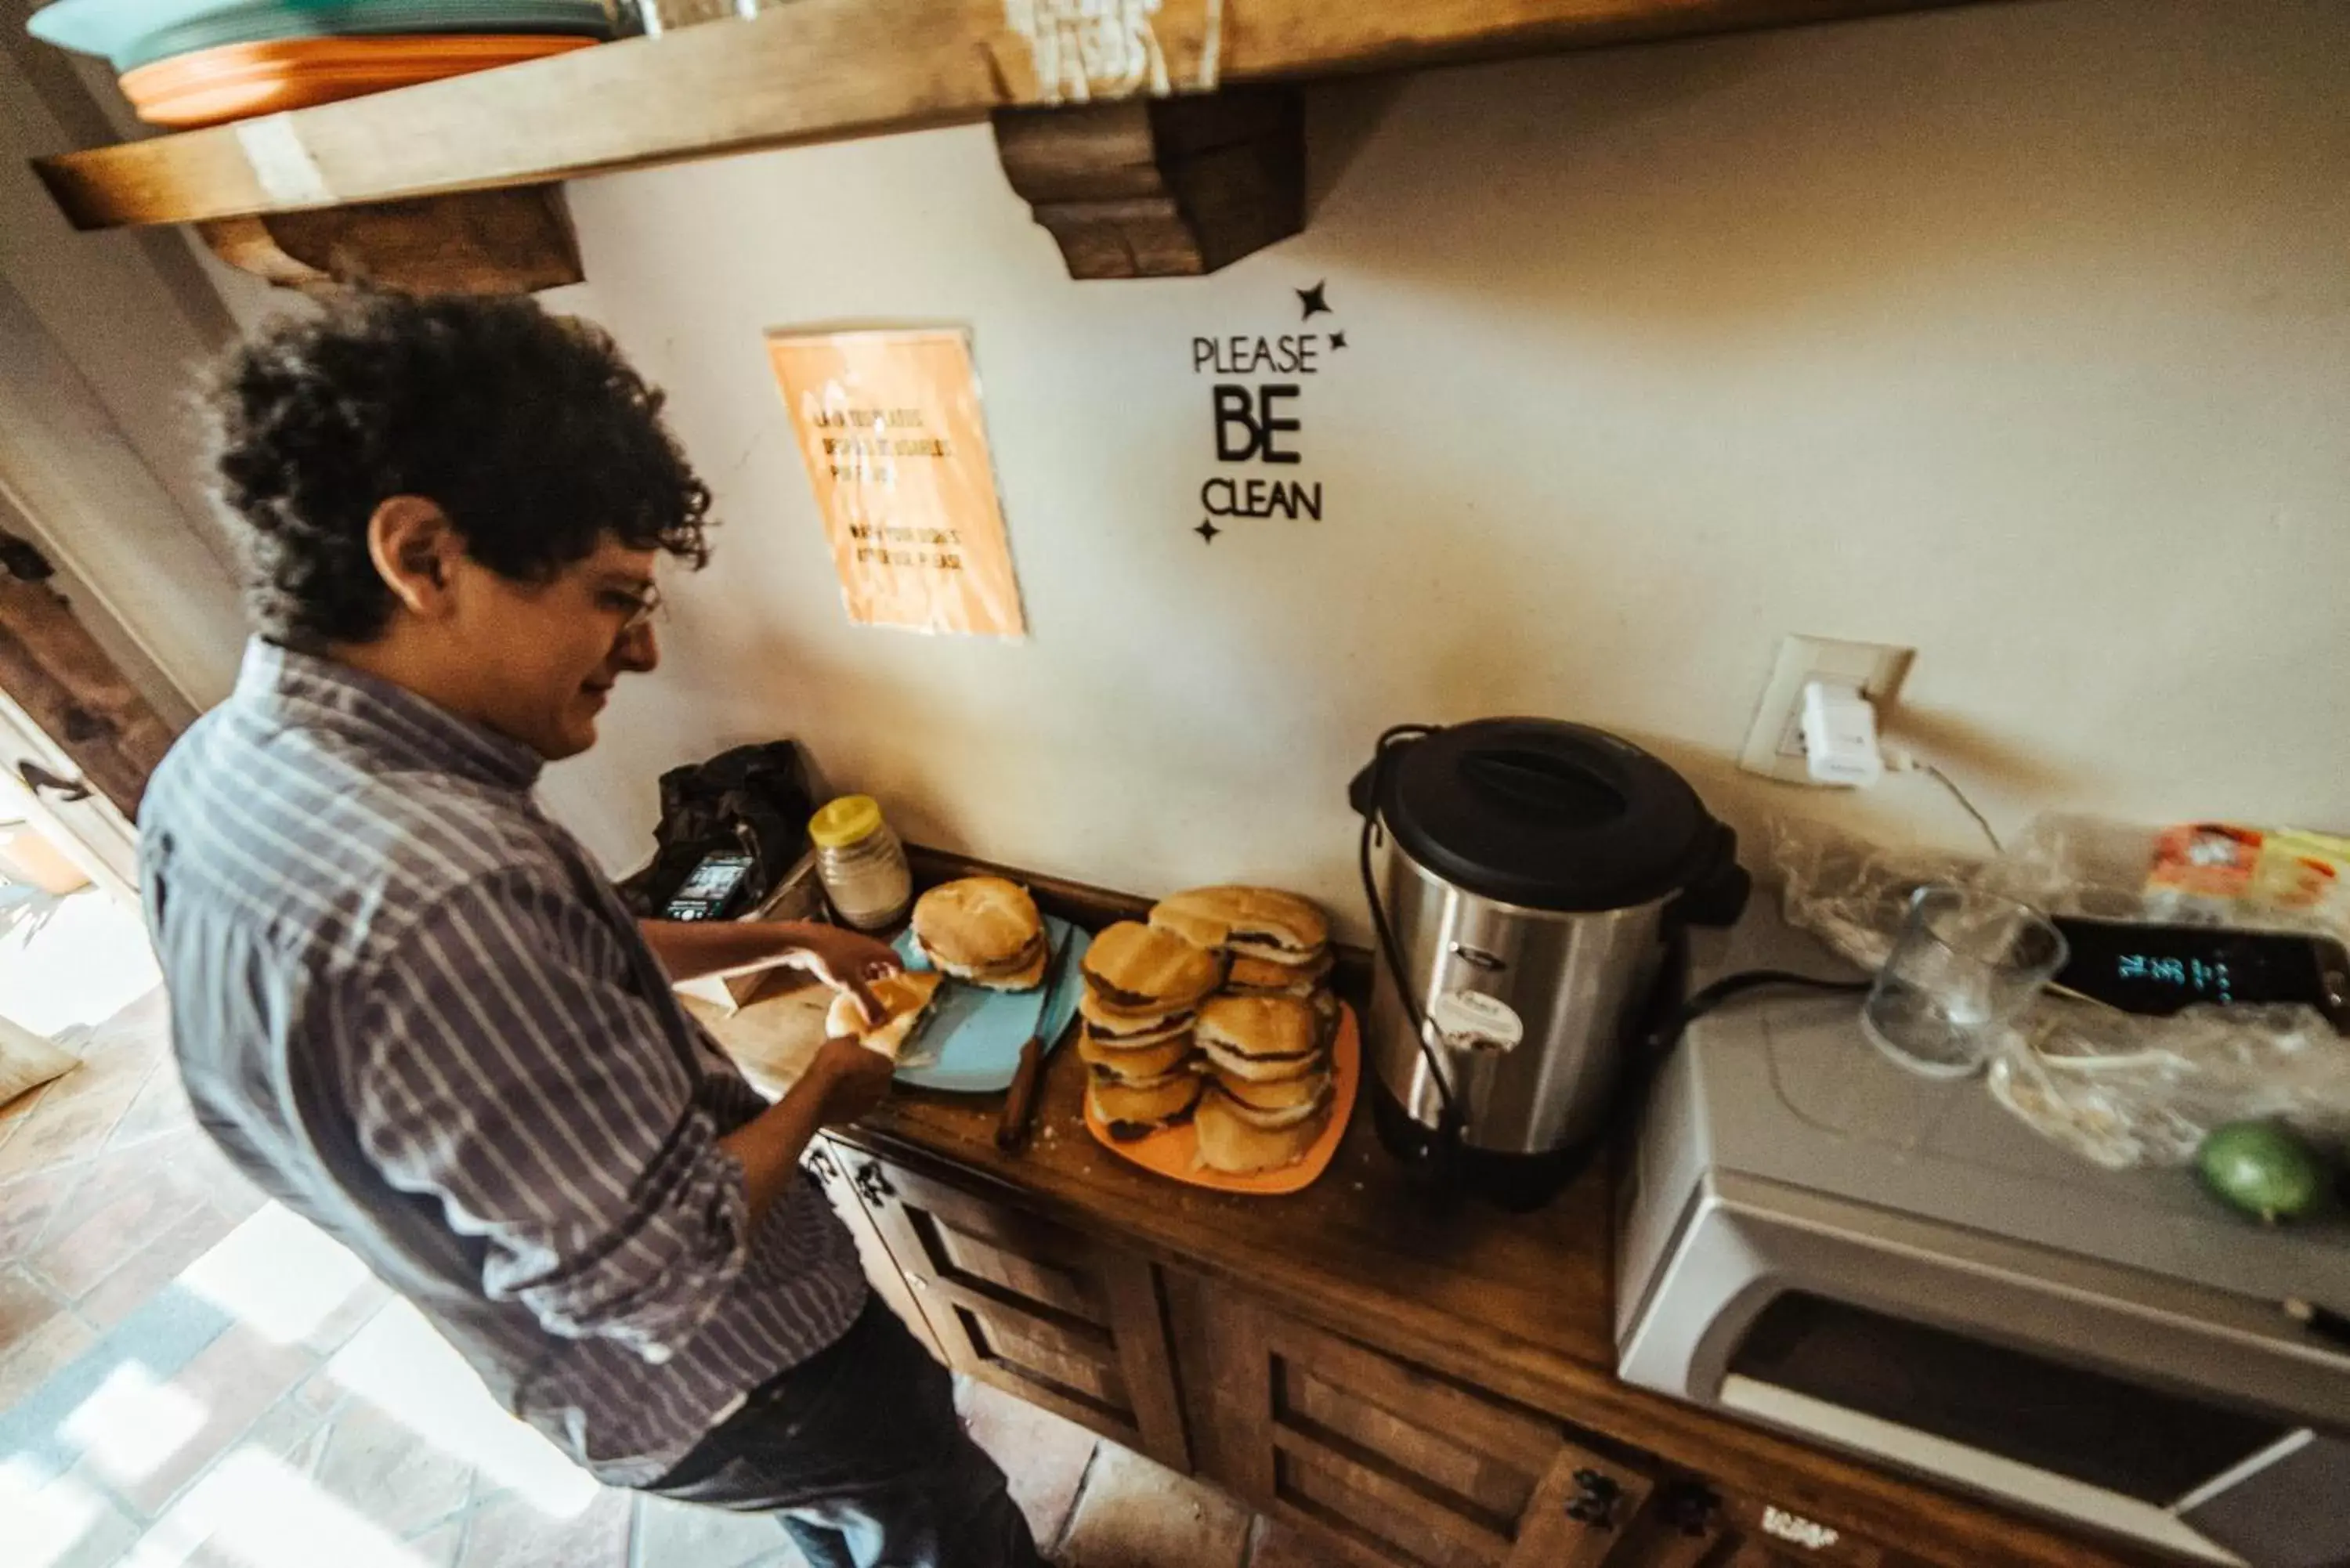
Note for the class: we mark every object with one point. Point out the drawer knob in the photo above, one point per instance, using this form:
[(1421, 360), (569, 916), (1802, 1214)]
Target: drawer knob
[(1595, 1500), (1691, 1507), (872, 1186)]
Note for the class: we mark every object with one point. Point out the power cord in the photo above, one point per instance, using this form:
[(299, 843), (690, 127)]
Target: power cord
[(1899, 760), (1728, 986)]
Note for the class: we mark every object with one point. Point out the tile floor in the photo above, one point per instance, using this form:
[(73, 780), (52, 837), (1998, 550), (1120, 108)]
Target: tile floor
[(192, 1377)]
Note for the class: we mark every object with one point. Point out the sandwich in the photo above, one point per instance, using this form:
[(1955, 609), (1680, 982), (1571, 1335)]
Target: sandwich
[(1251, 976), (1241, 1141), (905, 998), (1132, 1109), (1261, 923), (1117, 1027), (1137, 975), (1283, 1099), (984, 931), (1262, 1039), (1270, 1087), (1134, 1063)]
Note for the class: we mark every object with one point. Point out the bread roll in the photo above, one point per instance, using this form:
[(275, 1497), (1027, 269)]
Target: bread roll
[(1230, 1143), (1276, 1096), (978, 924), (1134, 1063), (1252, 976), (1272, 1027), (905, 997), (1230, 1064), (1123, 1028), (1025, 973), (1134, 1110), (1262, 922), (1135, 969)]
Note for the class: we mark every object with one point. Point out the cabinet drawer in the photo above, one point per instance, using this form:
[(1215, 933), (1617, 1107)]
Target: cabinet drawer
[(1396, 1465), (1032, 1307)]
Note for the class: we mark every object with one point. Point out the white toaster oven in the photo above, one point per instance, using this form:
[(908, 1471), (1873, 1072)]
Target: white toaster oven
[(1815, 1240)]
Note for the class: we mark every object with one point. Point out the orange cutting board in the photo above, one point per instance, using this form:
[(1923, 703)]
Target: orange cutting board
[(1170, 1152), (236, 81)]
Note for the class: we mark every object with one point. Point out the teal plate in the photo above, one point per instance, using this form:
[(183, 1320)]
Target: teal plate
[(970, 1045), (134, 33)]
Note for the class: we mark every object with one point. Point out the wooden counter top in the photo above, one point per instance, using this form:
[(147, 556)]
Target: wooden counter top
[(1519, 1303), (1527, 1289)]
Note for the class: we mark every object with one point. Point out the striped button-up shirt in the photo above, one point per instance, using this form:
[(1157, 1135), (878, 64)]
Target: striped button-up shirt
[(410, 1007)]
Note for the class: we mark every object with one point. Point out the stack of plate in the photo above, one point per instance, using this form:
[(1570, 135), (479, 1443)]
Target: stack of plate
[(198, 62)]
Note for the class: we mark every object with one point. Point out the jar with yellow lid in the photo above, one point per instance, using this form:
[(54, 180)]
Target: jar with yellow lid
[(861, 862)]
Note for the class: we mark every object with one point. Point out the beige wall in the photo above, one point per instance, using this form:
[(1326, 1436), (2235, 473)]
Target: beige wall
[(2021, 333), (97, 337)]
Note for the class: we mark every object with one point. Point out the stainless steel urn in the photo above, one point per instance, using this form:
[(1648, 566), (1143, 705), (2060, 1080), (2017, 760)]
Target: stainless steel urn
[(1525, 875)]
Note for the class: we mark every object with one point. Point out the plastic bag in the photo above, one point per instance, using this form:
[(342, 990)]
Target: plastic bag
[(1852, 893), (2196, 874), (2119, 1088), (754, 800), (2124, 1090)]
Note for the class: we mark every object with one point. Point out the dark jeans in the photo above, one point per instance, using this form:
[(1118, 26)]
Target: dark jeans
[(858, 1451)]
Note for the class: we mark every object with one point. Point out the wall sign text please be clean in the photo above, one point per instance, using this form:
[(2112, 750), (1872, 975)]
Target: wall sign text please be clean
[(1256, 391)]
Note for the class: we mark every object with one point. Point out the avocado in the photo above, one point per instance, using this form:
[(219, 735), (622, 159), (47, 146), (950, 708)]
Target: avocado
[(2263, 1168)]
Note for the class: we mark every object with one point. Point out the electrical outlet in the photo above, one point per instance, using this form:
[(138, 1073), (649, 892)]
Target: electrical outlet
[(1774, 742)]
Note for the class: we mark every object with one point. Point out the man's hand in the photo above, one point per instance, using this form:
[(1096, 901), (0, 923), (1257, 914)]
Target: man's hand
[(846, 961), (853, 1080), (843, 1080)]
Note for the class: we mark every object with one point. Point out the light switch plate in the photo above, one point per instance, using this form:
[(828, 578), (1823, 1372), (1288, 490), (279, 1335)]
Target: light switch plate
[(1774, 742)]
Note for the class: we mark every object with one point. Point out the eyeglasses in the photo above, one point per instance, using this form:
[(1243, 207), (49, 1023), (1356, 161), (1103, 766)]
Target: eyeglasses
[(640, 607)]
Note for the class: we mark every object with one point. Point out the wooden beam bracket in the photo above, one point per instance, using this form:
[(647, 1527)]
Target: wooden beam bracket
[(1171, 187), (515, 240)]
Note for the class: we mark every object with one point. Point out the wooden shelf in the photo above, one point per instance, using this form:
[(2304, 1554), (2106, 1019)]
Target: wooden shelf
[(814, 70)]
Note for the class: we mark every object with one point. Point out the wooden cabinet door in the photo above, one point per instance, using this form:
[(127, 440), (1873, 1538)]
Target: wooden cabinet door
[(828, 1162), (1395, 1465), (1044, 1314), (1655, 1540)]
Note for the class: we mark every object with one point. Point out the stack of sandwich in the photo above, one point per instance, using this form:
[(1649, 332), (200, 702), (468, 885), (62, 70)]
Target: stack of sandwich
[(984, 931), (1278, 943), (1264, 1042), (1143, 986)]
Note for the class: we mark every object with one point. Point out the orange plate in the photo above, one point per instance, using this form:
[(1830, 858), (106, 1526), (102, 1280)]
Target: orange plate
[(236, 81), (1169, 1152)]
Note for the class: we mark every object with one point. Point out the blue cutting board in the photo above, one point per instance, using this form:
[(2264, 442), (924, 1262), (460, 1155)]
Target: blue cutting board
[(970, 1045)]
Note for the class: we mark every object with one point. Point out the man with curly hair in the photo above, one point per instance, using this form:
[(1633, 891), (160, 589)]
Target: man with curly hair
[(410, 1006)]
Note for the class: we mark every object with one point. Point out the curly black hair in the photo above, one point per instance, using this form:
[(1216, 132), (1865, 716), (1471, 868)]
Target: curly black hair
[(529, 430)]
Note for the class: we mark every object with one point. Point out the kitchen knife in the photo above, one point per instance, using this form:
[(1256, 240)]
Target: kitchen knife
[(1019, 1099)]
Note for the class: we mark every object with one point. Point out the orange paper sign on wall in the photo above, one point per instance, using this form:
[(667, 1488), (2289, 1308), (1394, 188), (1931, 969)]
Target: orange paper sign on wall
[(890, 426)]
